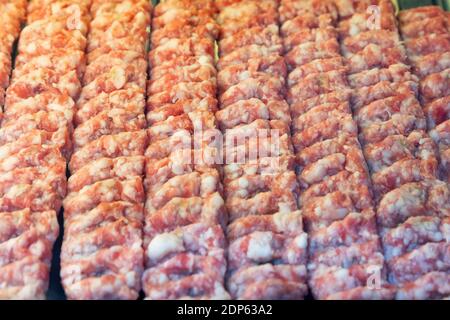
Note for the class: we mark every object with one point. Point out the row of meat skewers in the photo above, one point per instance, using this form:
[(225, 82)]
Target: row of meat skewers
[(35, 142), (184, 240), (339, 110), (267, 243), (101, 255)]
